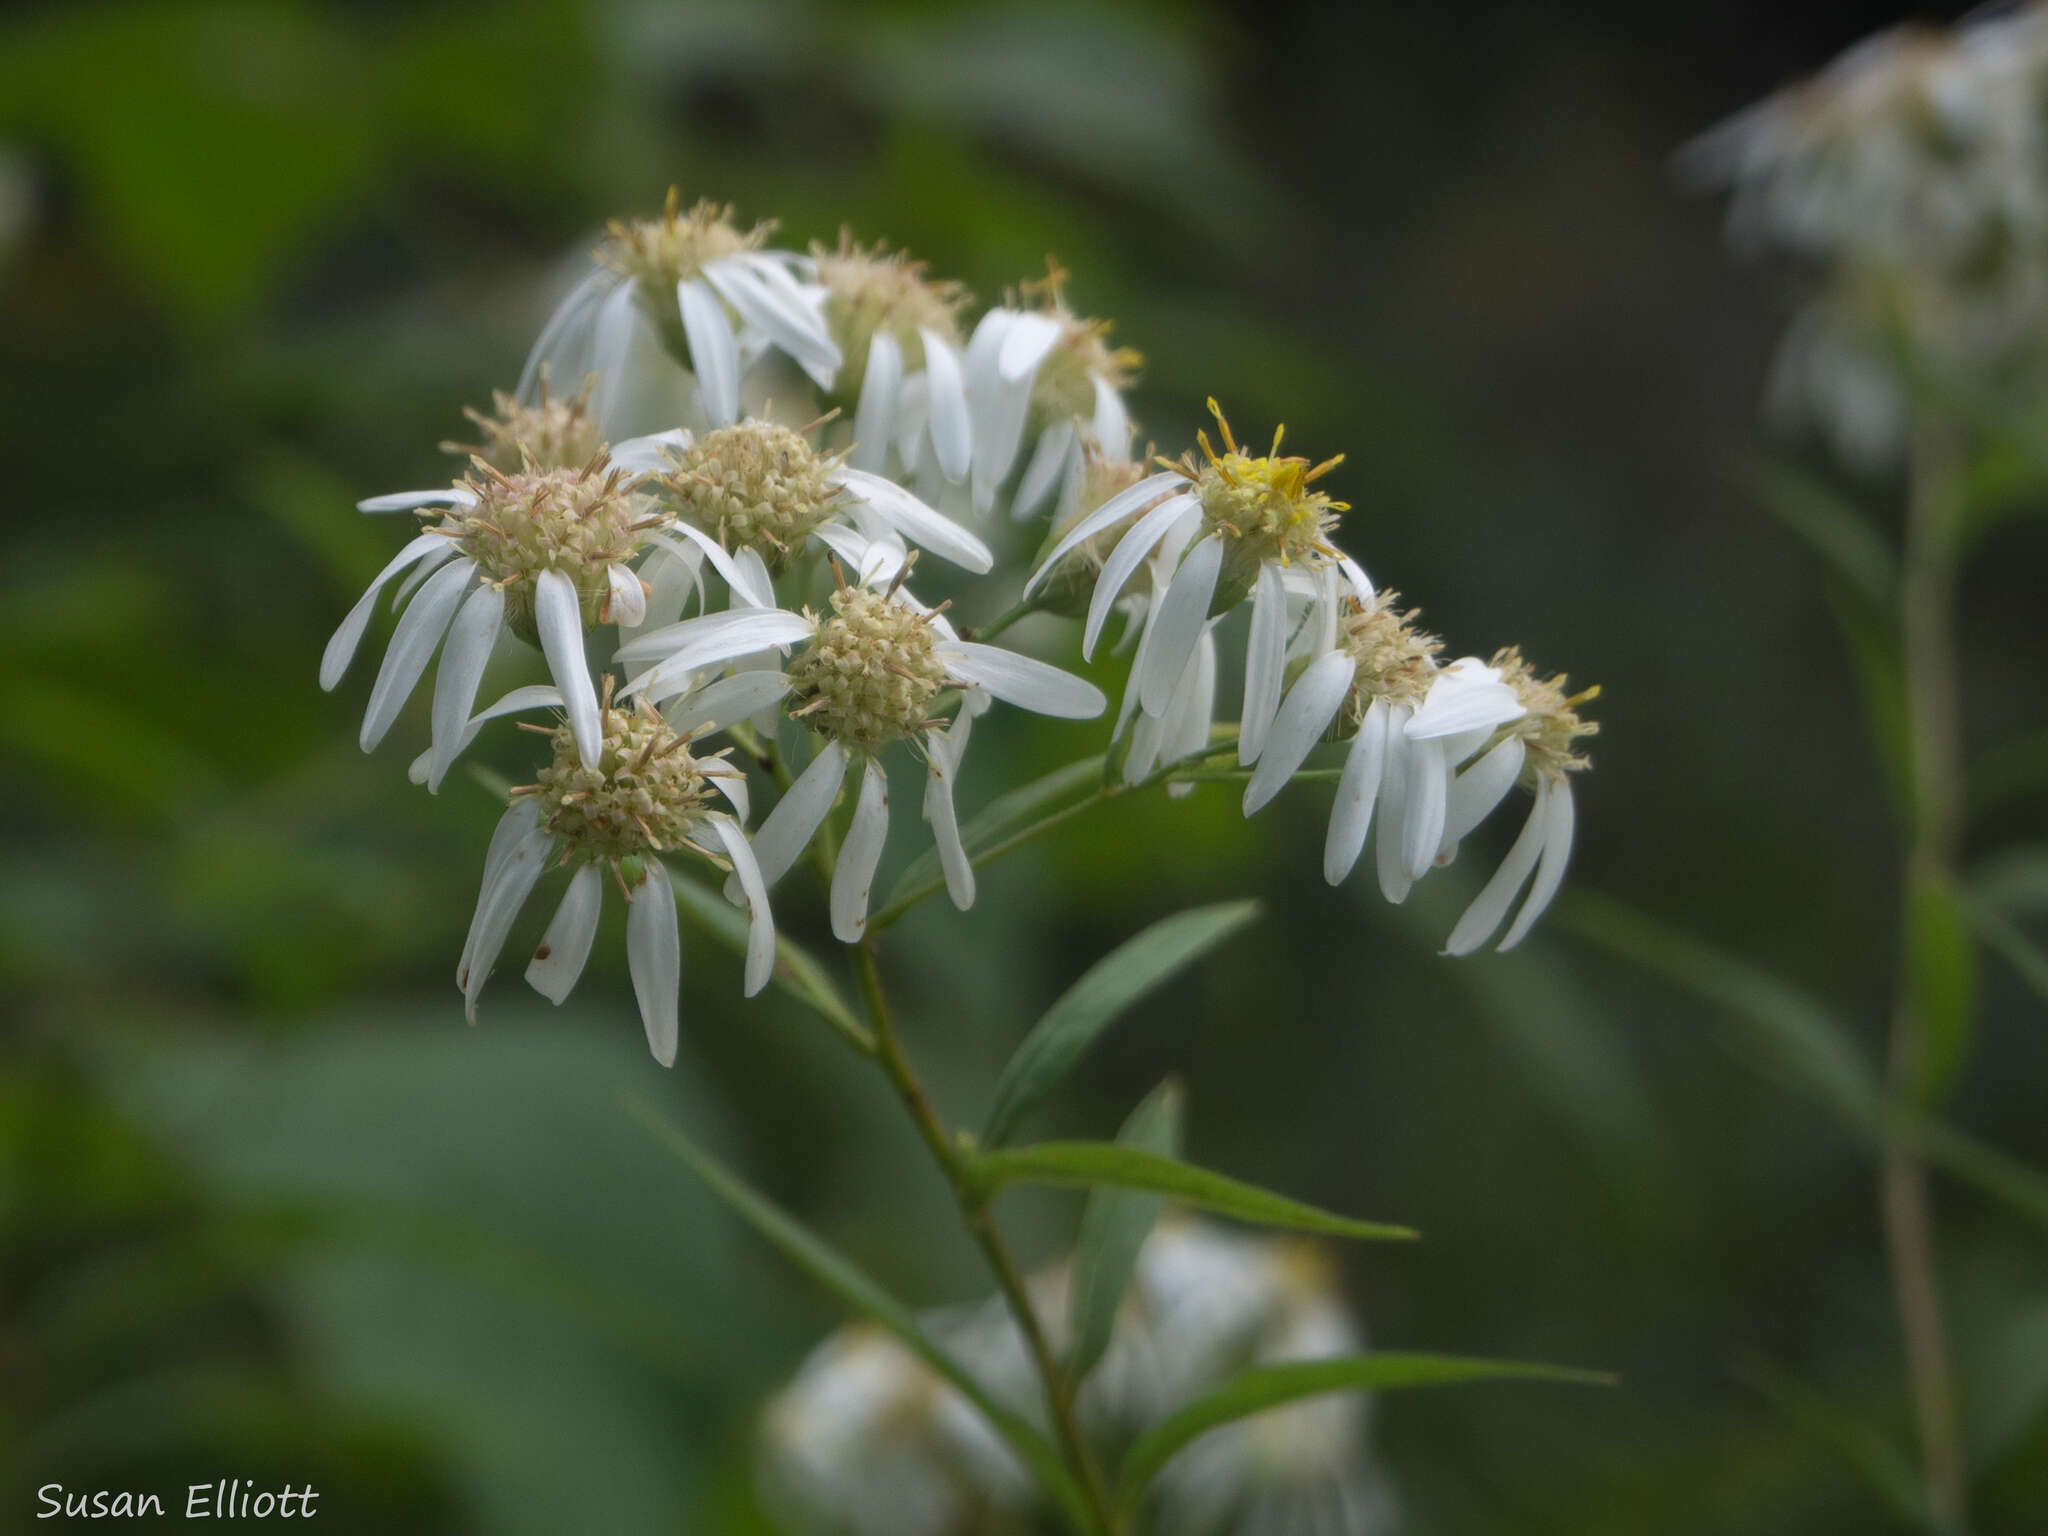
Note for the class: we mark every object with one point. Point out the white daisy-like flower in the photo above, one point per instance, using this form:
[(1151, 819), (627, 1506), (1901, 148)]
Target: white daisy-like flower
[(1048, 377), (688, 289), (754, 495), (904, 378), (1230, 527), (1409, 722), (644, 799), (863, 676), (868, 1440), (545, 551), (1539, 750)]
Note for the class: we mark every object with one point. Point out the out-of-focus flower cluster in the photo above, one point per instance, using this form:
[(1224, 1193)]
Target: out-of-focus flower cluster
[(1910, 179), (867, 1440), (708, 506)]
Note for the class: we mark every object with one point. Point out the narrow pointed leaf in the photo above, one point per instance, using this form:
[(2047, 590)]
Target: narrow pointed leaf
[(1274, 1386), (859, 1291), (1861, 1445), (1114, 1226), (1111, 985), (1831, 526), (1085, 1164), (2028, 960)]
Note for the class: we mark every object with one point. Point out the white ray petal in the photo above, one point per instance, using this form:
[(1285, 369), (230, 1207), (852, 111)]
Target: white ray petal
[(782, 838), (558, 616), (760, 920), (874, 418), (1123, 562), (1358, 787), (1265, 661), (1476, 791), (569, 317), (1027, 341), (945, 754), (521, 817), (341, 649), (1182, 612), (779, 312), (717, 637), (506, 888), (1494, 898), (1050, 458), (1429, 783), (859, 855), (654, 956), (566, 945), (1108, 515), (628, 608), (915, 521), (714, 350), (426, 565), (736, 576), (612, 335), (1387, 841), (719, 704), (757, 585), (1355, 578), (1186, 725), (412, 647), (407, 501), (650, 453), (1024, 681), (1112, 424), (471, 639), (952, 425), (1311, 704), (1558, 819), (1467, 695)]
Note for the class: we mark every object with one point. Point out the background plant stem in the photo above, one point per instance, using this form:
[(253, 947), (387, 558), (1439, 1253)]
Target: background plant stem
[(1059, 1395), (1927, 636)]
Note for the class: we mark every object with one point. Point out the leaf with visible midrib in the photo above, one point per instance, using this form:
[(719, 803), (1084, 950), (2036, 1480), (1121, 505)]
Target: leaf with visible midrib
[(1114, 1226), (1089, 1163), (1273, 1386), (1111, 985), (811, 1254)]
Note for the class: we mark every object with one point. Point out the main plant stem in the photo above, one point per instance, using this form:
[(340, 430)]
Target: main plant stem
[(1059, 1392), (1928, 601)]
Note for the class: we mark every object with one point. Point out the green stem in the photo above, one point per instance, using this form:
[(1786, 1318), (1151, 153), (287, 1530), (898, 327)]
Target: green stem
[(953, 1163), (1001, 622), (1927, 629), (1185, 768)]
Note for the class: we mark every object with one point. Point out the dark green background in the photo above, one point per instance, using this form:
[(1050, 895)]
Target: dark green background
[(271, 1211)]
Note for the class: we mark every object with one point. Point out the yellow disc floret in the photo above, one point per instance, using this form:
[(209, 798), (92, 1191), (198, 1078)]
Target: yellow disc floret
[(869, 675), (555, 432), (755, 485), (576, 521), (1263, 505), (646, 794), (882, 292), (1551, 729)]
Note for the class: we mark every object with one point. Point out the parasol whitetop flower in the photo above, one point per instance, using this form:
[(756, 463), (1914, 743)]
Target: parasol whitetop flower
[(1050, 377), (545, 550), (1234, 526), (903, 379), (754, 495), (1539, 750), (647, 797), (865, 675), (689, 289)]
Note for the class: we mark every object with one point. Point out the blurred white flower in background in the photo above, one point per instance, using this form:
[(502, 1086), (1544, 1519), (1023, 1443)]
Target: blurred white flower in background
[(867, 1439)]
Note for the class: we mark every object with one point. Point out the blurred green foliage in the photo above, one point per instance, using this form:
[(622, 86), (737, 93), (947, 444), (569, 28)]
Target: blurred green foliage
[(269, 1211)]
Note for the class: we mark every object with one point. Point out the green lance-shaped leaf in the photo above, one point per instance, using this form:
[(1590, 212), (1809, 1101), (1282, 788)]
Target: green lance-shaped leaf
[(812, 1255), (1941, 972), (1830, 525), (796, 971), (2028, 960), (1862, 1446), (1086, 1164), (1112, 984), (1809, 1046), (1114, 1226), (1000, 818), (1274, 1386)]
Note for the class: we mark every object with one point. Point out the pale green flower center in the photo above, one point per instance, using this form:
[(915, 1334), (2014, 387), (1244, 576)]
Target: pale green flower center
[(870, 674)]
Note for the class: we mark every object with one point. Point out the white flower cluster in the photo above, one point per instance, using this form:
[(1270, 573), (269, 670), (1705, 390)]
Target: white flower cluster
[(1911, 175), (868, 1440), (701, 541)]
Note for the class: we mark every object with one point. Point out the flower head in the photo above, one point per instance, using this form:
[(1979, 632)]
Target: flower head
[(647, 797), (1263, 505), (678, 244), (554, 431), (871, 671)]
